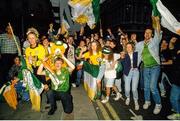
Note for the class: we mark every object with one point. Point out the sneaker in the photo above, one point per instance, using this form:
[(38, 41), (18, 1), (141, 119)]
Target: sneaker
[(136, 105), (163, 94), (105, 100), (73, 84), (146, 104), (127, 101), (157, 109), (118, 96), (174, 116)]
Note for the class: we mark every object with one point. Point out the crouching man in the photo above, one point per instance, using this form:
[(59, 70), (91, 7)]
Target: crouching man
[(59, 89)]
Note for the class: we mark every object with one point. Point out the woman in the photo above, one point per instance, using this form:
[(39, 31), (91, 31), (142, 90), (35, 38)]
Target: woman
[(93, 57), (131, 74), (36, 52), (34, 55), (110, 73)]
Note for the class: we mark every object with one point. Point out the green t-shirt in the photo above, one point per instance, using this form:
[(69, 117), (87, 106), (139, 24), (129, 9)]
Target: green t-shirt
[(148, 59), (77, 51), (64, 77)]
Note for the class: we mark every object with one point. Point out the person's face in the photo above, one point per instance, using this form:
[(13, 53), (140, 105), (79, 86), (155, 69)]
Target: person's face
[(108, 29), (164, 44), (129, 48), (17, 61), (51, 25), (124, 41), (173, 39), (133, 37), (8, 30), (147, 35), (45, 42), (82, 43), (112, 45), (32, 39), (96, 37), (107, 43), (58, 64), (94, 46), (70, 40)]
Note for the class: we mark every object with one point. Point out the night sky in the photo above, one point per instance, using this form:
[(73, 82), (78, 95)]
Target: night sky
[(38, 13)]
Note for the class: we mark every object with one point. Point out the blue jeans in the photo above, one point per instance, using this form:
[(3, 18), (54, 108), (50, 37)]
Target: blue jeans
[(151, 76), (162, 84), (134, 77), (175, 98), (79, 75)]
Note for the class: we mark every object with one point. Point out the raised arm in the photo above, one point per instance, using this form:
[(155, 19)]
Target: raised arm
[(156, 24), (40, 70), (72, 67)]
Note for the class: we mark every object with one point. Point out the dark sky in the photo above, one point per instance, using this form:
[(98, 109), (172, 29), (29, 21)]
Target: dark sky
[(18, 11)]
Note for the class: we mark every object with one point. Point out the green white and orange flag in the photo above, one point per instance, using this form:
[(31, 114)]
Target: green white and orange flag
[(34, 85), (90, 74), (85, 11), (167, 19)]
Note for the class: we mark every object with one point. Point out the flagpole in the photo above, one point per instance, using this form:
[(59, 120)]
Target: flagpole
[(101, 31), (19, 50)]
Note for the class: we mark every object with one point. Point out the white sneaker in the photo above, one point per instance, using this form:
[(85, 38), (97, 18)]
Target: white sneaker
[(163, 94), (136, 105), (174, 116), (157, 109), (118, 96), (105, 100), (127, 101), (73, 84), (146, 104)]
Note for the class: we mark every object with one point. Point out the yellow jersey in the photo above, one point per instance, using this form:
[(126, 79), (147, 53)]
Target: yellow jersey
[(34, 56), (94, 58)]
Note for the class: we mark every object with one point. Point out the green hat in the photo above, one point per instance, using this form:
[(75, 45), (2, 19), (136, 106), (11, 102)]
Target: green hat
[(106, 50)]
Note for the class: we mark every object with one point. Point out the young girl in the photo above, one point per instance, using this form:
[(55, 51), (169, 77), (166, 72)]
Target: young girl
[(110, 73), (131, 74), (93, 56)]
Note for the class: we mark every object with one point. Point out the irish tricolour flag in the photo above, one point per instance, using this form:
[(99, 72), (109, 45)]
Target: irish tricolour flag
[(167, 19), (85, 11), (90, 74)]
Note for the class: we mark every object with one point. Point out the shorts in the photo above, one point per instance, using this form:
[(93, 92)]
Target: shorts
[(109, 82)]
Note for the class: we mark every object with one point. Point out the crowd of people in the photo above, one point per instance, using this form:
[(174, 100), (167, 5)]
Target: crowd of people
[(124, 64)]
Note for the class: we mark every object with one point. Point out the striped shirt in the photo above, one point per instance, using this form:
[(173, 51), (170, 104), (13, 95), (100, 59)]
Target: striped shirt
[(8, 46)]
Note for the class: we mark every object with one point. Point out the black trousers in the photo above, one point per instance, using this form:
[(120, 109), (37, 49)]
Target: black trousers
[(65, 97), (6, 63)]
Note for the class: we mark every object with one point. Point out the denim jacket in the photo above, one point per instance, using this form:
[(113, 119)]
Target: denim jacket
[(153, 47)]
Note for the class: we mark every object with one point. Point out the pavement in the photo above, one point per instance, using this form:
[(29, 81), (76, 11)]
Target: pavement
[(85, 109)]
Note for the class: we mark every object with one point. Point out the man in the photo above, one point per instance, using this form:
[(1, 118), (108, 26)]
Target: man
[(166, 66), (61, 90), (8, 51), (175, 89), (133, 38), (148, 52)]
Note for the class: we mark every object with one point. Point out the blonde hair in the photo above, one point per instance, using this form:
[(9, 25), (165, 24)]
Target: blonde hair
[(32, 30)]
